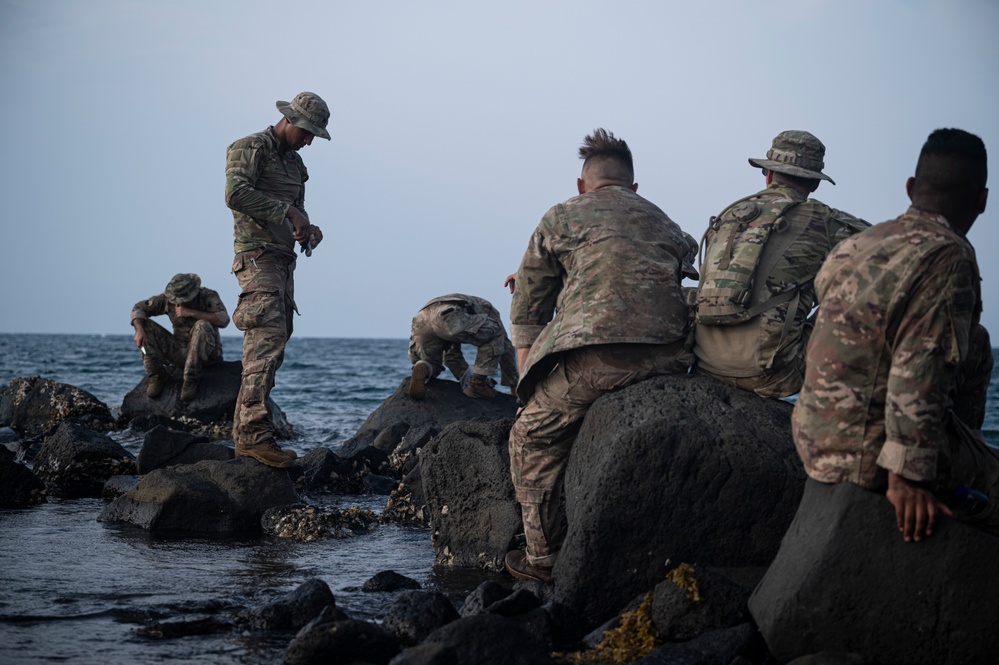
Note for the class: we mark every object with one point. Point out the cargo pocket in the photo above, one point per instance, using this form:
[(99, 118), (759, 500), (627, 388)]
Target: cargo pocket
[(256, 309)]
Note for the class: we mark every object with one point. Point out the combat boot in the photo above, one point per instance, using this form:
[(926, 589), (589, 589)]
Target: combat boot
[(480, 387), (189, 389), (155, 386), (268, 453), (418, 382), (517, 565)]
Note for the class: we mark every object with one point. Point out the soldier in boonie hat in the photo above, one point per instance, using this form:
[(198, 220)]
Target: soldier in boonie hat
[(182, 288), (308, 111), (796, 153)]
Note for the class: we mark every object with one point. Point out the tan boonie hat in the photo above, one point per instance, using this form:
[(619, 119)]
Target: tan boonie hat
[(797, 153), (183, 288), (308, 111)]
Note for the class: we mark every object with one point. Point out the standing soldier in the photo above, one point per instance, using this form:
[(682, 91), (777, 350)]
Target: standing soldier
[(265, 188), (760, 258), (597, 306), (196, 314)]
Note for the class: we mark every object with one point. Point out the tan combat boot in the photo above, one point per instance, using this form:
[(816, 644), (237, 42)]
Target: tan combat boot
[(268, 453), (418, 382), (155, 386), (480, 388), (189, 389)]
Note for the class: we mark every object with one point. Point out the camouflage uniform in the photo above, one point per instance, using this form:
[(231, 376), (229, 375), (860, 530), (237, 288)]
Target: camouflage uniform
[(444, 324), (767, 353), (598, 301), (262, 181), (898, 364), (193, 344)]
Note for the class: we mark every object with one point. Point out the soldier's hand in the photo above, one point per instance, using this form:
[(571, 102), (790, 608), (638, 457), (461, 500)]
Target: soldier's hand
[(182, 311), (301, 224), (140, 338), (916, 509), (511, 281), (316, 235)]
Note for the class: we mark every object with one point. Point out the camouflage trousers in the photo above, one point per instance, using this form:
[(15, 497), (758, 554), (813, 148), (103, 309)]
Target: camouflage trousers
[(264, 314), (164, 353), (546, 428), (438, 331)]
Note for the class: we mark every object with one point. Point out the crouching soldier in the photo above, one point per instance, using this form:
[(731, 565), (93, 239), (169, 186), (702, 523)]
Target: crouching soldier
[(196, 314)]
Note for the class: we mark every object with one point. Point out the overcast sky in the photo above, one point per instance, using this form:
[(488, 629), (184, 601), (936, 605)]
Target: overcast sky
[(455, 127)]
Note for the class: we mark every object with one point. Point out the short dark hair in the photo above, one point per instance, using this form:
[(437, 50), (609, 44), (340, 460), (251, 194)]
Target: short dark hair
[(951, 172), (607, 156), (805, 184)]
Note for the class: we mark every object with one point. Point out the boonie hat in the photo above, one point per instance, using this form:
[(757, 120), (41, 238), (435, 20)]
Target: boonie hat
[(182, 288), (796, 153), (308, 111)]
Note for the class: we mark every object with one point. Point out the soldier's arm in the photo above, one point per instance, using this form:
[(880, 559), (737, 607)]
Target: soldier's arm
[(539, 282), (244, 161), (931, 340), (143, 310), (214, 312)]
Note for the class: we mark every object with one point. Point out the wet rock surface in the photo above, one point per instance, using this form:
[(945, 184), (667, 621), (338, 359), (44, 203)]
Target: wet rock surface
[(33, 406), (164, 447), (75, 461)]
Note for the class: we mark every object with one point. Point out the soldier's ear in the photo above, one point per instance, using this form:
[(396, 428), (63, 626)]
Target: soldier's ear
[(983, 199), (580, 186), (634, 186), (909, 184)]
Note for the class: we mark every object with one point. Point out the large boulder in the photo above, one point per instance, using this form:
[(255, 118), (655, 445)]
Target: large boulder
[(163, 447), (466, 478), (293, 610), (675, 468), (443, 404), (330, 641), (207, 497), (416, 614), (844, 580), (32, 406), (75, 461), (211, 410), (18, 485)]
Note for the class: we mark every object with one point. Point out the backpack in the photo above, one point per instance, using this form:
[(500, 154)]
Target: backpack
[(738, 251)]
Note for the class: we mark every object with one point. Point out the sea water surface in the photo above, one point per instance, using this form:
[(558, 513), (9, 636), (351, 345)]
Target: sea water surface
[(74, 590)]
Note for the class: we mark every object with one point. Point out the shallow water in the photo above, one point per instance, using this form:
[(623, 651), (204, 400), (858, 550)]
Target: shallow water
[(76, 590)]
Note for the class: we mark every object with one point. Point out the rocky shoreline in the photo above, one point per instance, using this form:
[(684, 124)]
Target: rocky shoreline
[(693, 535)]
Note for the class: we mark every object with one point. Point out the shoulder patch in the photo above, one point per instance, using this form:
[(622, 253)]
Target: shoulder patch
[(746, 211)]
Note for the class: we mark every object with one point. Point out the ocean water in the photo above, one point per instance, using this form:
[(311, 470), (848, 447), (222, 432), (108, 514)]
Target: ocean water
[(73, 590)]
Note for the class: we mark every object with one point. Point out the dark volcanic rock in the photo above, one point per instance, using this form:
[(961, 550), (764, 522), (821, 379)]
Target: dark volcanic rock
[(33, 405), (845, 581), (466, 478), (326, 471), (307, 523), (711, 648), (676, 468), (405, 457), (207, 497), (416, 614), (484, 596), (211, 410), (326, 641), (118, 485), (294, 609), (490, 639), (75, 461), (389, 580), (708, 601), (18, 485), (443, 404), (163, 447)]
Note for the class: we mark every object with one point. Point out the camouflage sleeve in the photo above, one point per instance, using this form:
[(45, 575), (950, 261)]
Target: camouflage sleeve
[(214, 304), (843, 225), (154, 306), (244, 160), (539, 282), (931, 340)]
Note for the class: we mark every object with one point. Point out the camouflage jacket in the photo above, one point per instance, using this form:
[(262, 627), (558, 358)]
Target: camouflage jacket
[(261, 182), (207, 300), (898, 302), (762, 344), (604, 267), (476, 312)]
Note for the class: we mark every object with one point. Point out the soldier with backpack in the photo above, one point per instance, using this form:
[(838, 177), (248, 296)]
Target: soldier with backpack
[(759, 257)]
